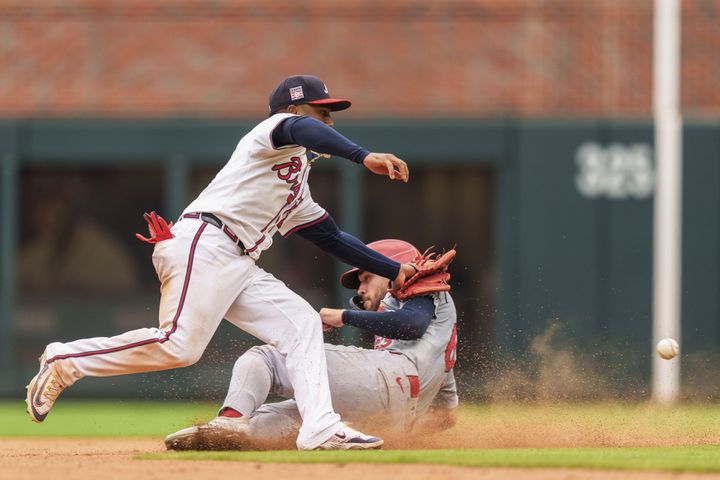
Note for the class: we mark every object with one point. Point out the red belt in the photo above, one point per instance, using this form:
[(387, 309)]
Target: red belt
[(216, 222)]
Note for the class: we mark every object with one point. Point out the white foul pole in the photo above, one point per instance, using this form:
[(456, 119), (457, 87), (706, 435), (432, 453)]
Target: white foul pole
[(668, 196)]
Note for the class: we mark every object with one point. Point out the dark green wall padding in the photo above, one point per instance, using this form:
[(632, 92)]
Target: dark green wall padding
[(584, 263)]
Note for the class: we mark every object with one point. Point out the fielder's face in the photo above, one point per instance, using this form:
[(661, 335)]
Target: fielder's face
[(372, 290), (318, 112)]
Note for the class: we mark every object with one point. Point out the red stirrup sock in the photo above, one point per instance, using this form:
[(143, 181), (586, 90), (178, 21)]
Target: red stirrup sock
[(229, 412)]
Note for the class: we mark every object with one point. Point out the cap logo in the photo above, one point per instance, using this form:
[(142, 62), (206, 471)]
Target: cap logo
[(296, 93), (326, 90)]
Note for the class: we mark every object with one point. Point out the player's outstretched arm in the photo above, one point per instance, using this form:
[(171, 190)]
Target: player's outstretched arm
[(319, 137), (387, 164), (326, 235), (408, 323)]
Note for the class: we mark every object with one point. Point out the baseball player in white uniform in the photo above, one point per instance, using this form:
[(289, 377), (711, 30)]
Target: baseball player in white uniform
[(409, 375), (206, 266)]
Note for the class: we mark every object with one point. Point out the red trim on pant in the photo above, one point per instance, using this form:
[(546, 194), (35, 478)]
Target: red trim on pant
[(414, 386), (174, 322)]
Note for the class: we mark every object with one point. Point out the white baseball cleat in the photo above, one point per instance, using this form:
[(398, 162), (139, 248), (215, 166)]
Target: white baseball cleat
[(42, 391), (349, 439), (220, 433)]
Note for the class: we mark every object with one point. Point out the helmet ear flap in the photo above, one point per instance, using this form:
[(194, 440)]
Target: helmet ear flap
[(356, 303)]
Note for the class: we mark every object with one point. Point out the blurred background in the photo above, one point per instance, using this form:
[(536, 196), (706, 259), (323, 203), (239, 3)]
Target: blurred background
[(527, 125)]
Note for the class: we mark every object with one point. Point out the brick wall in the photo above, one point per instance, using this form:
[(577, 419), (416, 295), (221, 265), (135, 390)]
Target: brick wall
[(400, 58)]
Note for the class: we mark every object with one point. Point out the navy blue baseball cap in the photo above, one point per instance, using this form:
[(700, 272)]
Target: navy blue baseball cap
[(301, 89)]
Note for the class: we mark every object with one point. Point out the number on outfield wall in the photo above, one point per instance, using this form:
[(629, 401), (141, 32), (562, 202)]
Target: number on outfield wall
[(615, 171)]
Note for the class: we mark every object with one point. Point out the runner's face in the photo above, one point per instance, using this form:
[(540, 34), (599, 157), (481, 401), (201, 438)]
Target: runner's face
[(372, 290)]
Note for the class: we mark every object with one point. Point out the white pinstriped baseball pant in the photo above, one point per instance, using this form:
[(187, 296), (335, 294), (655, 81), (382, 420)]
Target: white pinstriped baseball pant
[(203, 280)]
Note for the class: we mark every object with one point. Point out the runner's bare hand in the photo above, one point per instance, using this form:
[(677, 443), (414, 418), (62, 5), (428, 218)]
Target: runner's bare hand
[(331, 317)]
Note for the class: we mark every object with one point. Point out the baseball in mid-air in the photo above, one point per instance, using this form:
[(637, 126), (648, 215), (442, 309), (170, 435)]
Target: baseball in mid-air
[(668, 348)]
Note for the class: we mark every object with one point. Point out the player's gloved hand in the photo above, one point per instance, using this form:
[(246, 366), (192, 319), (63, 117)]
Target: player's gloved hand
[(425, 265), (406, 272), (158, 227), (387, 164), (437, 282), (331, 318)]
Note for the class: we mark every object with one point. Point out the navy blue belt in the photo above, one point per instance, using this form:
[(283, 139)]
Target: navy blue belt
[(216, 222)]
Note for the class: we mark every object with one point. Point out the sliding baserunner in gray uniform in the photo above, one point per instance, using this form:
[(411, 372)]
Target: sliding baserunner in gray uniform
[(406, 378)]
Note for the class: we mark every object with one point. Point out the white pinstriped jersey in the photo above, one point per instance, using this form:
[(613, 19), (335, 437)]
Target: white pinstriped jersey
[(261, 190)]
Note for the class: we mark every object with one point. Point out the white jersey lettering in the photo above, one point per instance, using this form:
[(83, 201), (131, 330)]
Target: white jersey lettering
[(261, 190)]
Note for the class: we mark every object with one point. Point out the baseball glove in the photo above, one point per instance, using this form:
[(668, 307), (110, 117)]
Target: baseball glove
[(158, 227), (431, 276)]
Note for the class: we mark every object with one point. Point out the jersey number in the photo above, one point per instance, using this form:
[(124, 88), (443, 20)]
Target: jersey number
[(451, 351)]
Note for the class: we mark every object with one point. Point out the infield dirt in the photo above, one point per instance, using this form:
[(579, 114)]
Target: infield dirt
[(501, 426), (85, 459)]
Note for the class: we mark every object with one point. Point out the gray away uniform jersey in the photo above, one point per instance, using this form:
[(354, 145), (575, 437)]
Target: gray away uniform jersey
[(369, 387), (433, 354)]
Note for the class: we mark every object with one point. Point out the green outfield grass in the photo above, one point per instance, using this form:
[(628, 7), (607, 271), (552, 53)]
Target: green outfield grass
[(674, 459), (111, 418), (71, 417)]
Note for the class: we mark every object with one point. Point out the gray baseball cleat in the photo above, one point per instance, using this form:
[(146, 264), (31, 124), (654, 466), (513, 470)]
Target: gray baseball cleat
[(42, 391), (220, 433), (348, 439)]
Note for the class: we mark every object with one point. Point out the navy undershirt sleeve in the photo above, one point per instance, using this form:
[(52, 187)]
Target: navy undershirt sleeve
[(315, 135), (326, 235), (408, 323)]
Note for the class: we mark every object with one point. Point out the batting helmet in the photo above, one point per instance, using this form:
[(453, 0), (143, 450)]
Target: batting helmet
[(398, 250)]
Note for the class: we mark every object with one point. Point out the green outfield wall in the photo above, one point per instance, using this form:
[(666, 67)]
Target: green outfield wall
[(553, 219)]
